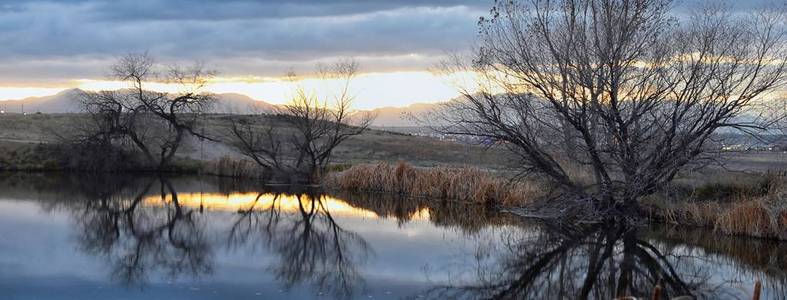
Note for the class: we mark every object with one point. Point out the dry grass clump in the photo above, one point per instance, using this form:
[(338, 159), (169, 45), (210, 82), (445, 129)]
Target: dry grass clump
[(688, 213), (761, 216), (764, 217), (465, 184), (749, 217), (229, 167)]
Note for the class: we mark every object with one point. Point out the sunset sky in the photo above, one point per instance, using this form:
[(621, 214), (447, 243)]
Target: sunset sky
[(49, 46)]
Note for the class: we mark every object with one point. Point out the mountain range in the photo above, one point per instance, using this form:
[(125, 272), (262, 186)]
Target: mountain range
[(227, 103)]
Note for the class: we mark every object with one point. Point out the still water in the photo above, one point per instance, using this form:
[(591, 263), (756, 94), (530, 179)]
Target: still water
[(113, 237)]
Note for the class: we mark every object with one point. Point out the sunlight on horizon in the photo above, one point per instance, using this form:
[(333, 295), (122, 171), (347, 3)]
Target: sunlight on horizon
[(19, 93), (371, 90)]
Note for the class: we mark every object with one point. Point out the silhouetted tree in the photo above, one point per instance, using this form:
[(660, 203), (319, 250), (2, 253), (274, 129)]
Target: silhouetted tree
[(296, 142), (139, 237), (311, 246), (154, 122), (596, 262), (611, 99)]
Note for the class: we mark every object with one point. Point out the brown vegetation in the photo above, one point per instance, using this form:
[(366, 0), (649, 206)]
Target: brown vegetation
[(743, 214), (464, 184)]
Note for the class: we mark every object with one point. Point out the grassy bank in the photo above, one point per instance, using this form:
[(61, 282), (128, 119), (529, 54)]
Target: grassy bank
[(734, 204), (459, 183), (373, 146), (751, 204), (730, 203)]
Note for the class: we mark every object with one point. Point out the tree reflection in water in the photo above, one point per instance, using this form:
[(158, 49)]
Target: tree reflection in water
[(137, 239), (311, 246), (596, 262), (143, 227)]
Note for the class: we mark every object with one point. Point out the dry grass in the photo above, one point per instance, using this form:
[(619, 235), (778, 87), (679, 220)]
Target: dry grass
[(371, 147), (764, 216), (761, 216), (465, 184)]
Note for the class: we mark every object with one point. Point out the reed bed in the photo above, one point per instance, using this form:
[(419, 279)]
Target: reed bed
[(760, 216), (464, 184), (756, 218)]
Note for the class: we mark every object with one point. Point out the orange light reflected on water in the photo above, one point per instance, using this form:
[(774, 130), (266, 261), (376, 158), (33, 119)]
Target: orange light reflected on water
[(259, 202)]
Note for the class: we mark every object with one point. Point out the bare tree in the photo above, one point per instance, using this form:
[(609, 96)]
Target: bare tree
[(311, 246), (137, 238), (618, 89), (297, 140), (155, 122), (596, 262)]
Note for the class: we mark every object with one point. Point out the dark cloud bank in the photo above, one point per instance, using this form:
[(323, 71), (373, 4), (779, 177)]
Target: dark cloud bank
[(63, 39), (51, 41)]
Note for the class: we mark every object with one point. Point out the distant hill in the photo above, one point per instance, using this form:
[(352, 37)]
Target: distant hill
[(62, 102), (402, 116), (227, 103), (65, 102), (232, 103)]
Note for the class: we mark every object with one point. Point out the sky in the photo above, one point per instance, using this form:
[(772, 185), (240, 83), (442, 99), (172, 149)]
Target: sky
[(52, 45), (48, 46)]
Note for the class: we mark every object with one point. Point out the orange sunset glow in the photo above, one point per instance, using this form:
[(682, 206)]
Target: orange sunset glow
[(253, 201)]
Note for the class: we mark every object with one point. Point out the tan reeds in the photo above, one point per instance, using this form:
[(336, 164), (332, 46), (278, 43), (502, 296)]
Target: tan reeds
[(761, 216), (758, 217), (465, 184)]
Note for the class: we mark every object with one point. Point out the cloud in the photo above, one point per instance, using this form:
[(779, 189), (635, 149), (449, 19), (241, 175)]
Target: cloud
[(48, 41), (77, 38)]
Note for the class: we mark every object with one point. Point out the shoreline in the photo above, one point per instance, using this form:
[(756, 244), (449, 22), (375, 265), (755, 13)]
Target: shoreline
[(740, 215)]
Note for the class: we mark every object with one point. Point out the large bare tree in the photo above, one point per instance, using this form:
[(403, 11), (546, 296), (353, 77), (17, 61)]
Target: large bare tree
[(622, 91), (154, 122), (296, 141)]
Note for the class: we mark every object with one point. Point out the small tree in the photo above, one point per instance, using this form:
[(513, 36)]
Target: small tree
[(618, 89), (155, 122), (297, 140)]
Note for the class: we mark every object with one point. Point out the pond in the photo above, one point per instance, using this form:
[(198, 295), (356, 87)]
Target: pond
[(138, 237)]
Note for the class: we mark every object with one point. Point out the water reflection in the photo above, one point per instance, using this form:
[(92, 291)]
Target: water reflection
[(311, 246), (136, 238), (596, 262), (162, 233), (263, 201), (145, 230)]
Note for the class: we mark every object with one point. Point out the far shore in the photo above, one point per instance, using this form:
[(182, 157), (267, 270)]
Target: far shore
[(743, 198)]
